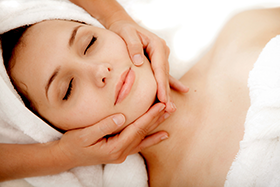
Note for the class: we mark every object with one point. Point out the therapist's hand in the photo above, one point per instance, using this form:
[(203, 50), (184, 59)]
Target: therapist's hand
[(94, 145), (139, 40), (114, 17)]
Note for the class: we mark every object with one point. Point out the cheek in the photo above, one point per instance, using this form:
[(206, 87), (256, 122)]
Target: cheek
[(82, 113), (143, 96), (88, 112)]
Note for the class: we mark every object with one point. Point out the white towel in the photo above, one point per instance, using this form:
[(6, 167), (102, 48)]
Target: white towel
[(19, 125), (258, 161)]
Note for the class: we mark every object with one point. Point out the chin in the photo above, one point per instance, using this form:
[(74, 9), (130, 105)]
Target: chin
[(142, 96), (144, 100)]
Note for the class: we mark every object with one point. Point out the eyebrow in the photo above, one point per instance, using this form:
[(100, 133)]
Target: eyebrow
[(73, 35), (51, 79), (56, 71)]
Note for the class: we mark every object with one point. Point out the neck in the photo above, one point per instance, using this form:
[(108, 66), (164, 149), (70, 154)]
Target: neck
[(182, 126), (178, 121), (186, 113)]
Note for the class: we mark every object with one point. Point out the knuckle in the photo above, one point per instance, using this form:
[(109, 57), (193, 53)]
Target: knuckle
[(82, 139), (160, 69), (104, 128), (119, 161), (122, 32), (141, 132), (135, 45), (167, 50), (116, 157), (157, 40), (126, 28), (78, 137), (140, 148), (163, 41)]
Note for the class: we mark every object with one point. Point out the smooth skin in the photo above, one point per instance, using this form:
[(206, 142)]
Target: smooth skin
[(137, 39), (205, 131), (52, 163)]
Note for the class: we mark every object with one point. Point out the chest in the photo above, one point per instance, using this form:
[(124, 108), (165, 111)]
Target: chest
[(208, 125)]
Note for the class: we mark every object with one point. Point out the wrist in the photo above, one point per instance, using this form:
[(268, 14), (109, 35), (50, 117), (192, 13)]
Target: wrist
[(31, 160), (105, 11), (60, 157)]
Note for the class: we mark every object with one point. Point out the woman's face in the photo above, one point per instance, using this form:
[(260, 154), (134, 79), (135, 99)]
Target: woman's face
[(75, 74)]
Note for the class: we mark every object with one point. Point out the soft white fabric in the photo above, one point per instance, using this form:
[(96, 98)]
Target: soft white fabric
[(19, 125), (258, 161), (138, 178)]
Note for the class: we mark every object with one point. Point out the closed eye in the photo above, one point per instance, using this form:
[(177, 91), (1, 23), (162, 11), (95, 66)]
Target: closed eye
[(90, 44), (69, 90)]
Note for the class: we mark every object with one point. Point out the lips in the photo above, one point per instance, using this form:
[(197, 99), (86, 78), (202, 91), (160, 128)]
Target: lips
[(124, 85)]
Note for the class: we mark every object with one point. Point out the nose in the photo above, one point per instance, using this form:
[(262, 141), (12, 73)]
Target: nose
[(100, 73)]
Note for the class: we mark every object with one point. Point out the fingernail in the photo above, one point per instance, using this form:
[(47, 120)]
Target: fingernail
[(173, 106), (119, 119), (164, 137), (161, 108), (166, 115), (185, 88), (137, 59)]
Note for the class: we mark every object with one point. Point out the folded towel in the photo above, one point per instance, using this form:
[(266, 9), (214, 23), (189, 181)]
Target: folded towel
[(19, 125), (258, 160)]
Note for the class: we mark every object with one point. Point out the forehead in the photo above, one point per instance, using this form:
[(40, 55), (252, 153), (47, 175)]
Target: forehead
[(52, 26), (39, 49), (47, 32), (40, 42)]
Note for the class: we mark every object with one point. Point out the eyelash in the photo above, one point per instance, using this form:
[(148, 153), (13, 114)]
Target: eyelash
[(69, 90), (70, 87), (90, 44)]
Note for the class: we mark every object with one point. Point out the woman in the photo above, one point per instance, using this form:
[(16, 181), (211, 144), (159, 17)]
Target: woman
[(204, 133), (119, 23)]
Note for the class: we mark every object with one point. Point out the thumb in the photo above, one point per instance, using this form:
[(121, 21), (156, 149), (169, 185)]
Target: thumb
[(107, 126), (137, 59), (134, 47)]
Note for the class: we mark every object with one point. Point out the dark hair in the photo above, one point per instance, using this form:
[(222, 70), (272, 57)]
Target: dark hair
[(9, 41)]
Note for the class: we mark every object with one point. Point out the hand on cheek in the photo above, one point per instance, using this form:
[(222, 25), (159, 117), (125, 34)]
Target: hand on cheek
[(137, 39), (92, 145)]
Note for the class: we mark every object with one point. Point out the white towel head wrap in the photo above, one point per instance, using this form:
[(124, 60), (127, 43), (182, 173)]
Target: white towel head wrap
[(18, 13)]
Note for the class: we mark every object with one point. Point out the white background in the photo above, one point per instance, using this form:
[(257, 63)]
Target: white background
[(190, 26)]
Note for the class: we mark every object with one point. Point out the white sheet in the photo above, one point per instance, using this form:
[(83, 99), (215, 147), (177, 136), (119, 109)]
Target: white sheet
[(190, 27), (258, 160)]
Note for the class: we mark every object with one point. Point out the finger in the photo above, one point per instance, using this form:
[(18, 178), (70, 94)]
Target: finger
[(133, 134), (121, 145), (170, 107), (177, 85), (160, 75), (158, 121), (147, 122), (134, 47), (130, 140), (158, 53), (92, 134), (150, 141)]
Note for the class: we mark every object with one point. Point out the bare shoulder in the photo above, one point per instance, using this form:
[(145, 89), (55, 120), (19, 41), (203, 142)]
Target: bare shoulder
[(263, 14), (256, 19), (250, 28)]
